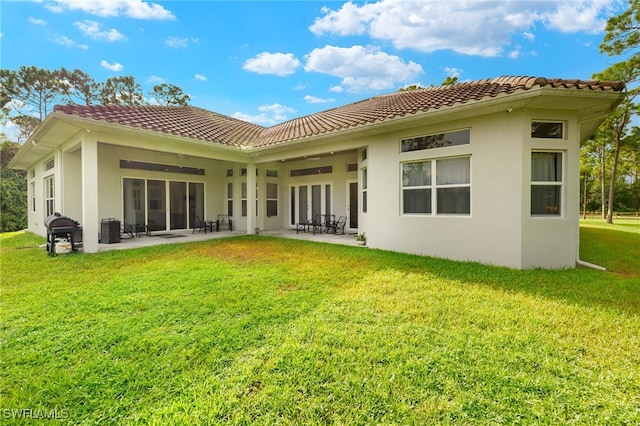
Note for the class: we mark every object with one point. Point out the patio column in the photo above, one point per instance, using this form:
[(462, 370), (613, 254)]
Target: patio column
[(90, 221), (251, 198)]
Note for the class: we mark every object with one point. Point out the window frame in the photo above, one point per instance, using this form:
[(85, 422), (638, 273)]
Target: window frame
[(563, 131), (271, 201), (560, 184), (433, 187), (49, 188)]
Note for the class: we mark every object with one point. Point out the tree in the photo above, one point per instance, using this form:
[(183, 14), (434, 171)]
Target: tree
[(450, 80), (30, 90), (622, 37), (13, 190), (168, 94), (78, 87), (121, 91)]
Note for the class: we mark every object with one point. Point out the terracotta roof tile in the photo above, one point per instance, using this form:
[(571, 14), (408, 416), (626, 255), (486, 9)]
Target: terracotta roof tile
[(211, 127), (188, 122)]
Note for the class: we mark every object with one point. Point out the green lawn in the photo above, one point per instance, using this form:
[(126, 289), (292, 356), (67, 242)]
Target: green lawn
[(259, 330)]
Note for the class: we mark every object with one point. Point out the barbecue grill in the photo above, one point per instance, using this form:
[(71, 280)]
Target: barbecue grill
[(62, 232)]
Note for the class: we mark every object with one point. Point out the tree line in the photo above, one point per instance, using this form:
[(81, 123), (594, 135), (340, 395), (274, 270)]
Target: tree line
[(27, 95)]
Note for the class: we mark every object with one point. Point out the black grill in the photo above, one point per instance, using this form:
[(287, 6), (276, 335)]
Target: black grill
[(61, 228)]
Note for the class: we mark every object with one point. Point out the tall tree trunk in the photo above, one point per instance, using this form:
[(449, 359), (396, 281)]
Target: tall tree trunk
[(612, 180)]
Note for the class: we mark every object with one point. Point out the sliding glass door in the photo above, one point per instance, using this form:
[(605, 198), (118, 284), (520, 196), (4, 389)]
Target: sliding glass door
[(156, 203)]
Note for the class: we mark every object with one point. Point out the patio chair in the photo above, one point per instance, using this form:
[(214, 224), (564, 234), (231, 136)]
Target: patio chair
[(199, 224), (224, 222), (338, 227), (126, 231), (329, 222)]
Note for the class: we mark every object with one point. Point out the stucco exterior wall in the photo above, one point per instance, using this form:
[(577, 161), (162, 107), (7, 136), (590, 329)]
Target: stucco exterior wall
[(491, 233)]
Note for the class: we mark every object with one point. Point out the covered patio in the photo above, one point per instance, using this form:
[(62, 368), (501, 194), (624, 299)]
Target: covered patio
[(187, 236)]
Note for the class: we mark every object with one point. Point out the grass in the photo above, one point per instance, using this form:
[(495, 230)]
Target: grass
[(258, 330)]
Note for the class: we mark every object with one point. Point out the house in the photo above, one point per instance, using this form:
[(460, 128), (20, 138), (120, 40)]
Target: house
[(484, 171)]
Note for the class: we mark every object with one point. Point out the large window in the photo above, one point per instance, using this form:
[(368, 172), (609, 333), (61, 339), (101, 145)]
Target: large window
[(49, 196), (546, 183), (448, 194)]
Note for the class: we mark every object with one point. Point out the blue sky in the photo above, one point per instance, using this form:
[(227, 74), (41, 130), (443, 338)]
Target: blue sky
[(269, 61)]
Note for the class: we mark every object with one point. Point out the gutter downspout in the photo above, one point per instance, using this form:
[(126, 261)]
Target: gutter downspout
[(590, 265)]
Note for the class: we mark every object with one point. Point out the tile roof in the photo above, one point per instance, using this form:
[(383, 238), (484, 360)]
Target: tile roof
[(188, 122), (196, 123)]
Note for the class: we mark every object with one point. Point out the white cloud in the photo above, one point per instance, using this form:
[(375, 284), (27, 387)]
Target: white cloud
[(200, 77), (361, 68), (315, 100), (64, 41), (112, 67), (515, 54), (280, 64), (136, 9), (479, 28), (35, 21), (269, 115), (92, 29), (452, 71), (179, 42), (571, 17), (154, 79), (336, 89), (529, 36)]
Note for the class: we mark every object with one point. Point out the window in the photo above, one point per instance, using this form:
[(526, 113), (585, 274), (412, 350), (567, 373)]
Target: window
[(546, 183), (32, 173), (49, 196), (49, 164), (459, 137), (452, 186), (33, 196), (272, 199), (547, 130), (141, 165), (364, 190), (243, 197), (364, 154), (229, 172), (416, 187), (230, 199), (352, 167), (311, 171), (272, 173)]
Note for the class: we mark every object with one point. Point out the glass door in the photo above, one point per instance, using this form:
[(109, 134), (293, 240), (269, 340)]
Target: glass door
[(178, 205), (157, 207), (311, 201)]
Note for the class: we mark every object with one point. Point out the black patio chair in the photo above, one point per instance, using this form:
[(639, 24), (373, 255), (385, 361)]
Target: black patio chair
[(199, 225), (338, 227)]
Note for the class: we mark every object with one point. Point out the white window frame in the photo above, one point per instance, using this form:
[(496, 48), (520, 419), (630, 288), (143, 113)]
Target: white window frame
[(49, 187), (433, 186), (268, 199), (557, 183)]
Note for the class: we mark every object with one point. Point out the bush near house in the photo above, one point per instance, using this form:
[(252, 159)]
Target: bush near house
[(258, 330)]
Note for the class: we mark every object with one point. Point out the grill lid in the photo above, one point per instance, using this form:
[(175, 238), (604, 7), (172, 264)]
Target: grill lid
[(56, 220)]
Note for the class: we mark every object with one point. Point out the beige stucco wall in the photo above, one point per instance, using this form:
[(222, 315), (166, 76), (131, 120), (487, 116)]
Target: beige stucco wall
[(500, 229)]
